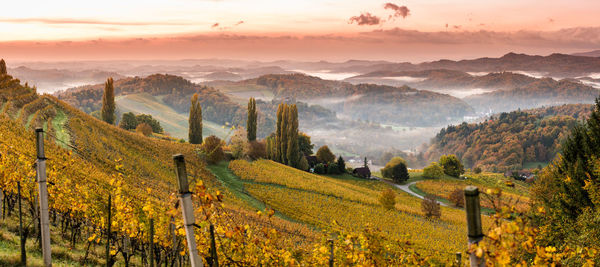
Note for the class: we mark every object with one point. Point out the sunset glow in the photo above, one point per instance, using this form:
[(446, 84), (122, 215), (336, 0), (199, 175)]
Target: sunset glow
[(456, 28)]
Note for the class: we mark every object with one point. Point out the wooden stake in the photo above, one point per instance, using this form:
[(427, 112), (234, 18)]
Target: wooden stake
[(185, 199), (43, 197), (151, 242), (108, 233), (21, 232), (458, 260), (330, 241), (475, 234), (213, 248)]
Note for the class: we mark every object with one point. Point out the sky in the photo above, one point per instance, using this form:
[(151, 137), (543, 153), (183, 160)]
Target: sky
[(408, 30)]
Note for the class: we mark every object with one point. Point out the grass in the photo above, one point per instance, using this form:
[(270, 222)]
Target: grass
[(62, 253), (352, 202), (534, 165), (174, 123), (58, 124), (234, 184)]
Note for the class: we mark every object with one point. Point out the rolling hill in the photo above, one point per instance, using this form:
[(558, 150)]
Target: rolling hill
[(508, 141), (367, 102)]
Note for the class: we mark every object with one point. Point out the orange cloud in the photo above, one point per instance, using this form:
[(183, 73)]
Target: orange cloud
[(399, 11), (365, 19)]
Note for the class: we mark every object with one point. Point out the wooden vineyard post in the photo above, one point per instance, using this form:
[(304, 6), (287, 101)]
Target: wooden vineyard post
[(108, 233), (1, 204), (213, 248), (175, 253), (21, 233), (151, 242), (185, 199), (43, 197), (330, 241), (458, 260), (475, 234)]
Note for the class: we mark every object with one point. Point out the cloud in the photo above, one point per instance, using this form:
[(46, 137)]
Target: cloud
[(215, 25), (399, 11), (365, 19), (86, 22), (239, 22)]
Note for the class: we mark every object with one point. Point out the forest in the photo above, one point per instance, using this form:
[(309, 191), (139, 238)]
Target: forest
[(508, 140)]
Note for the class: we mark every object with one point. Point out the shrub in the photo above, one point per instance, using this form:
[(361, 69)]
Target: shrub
[(430, 207), (457, 197), (144, 129), (477, 170), (320, 168), (333, 169), (213, 149), (452, 165), (303, 164), (434, 170), (396, 169), (388, 199), (257, 150)]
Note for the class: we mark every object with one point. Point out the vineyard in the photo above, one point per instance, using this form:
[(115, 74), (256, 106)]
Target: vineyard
[(101, 177)]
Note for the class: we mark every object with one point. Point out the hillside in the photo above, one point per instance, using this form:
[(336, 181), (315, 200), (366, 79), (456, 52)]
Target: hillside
[(51, 80), (509, 140), (367, 102), (541, 92), (89, 159), (172, 91)]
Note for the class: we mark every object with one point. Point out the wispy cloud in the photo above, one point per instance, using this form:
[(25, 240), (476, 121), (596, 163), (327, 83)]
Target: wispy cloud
[(365, 19), (87, 22)]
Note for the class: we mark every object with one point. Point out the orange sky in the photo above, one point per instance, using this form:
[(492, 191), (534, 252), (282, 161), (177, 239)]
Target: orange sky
[(413, 30)]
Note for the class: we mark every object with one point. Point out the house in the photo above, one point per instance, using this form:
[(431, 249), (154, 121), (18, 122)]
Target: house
[(363, 172), (521, 175)]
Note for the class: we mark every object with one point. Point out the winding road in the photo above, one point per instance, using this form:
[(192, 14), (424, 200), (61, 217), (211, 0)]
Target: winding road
[(406, 188)]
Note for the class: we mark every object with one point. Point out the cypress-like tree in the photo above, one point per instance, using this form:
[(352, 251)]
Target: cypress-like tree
[(251, 122), (108, 102), (195, 121), (284, 134), (277, 148), (3, 67), (293, 149)]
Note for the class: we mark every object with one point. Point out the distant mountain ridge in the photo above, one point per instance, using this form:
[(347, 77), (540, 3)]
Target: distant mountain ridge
[(595, 53), (554, 65)]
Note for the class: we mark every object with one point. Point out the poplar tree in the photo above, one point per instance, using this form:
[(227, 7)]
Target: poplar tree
[(293, 149), (251, 123), (284, 134), (3, 67), (108, 102), (195, 121), (277, 149)]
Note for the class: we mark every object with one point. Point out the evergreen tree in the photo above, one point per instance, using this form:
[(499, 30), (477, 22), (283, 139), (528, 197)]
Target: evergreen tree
[(341, 164), (108, 102), (3, 67), (293, 150), (251, 122), (195, 121)]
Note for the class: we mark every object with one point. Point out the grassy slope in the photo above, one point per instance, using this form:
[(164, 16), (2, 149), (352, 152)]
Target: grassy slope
[(172, 122), (351, 200)]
